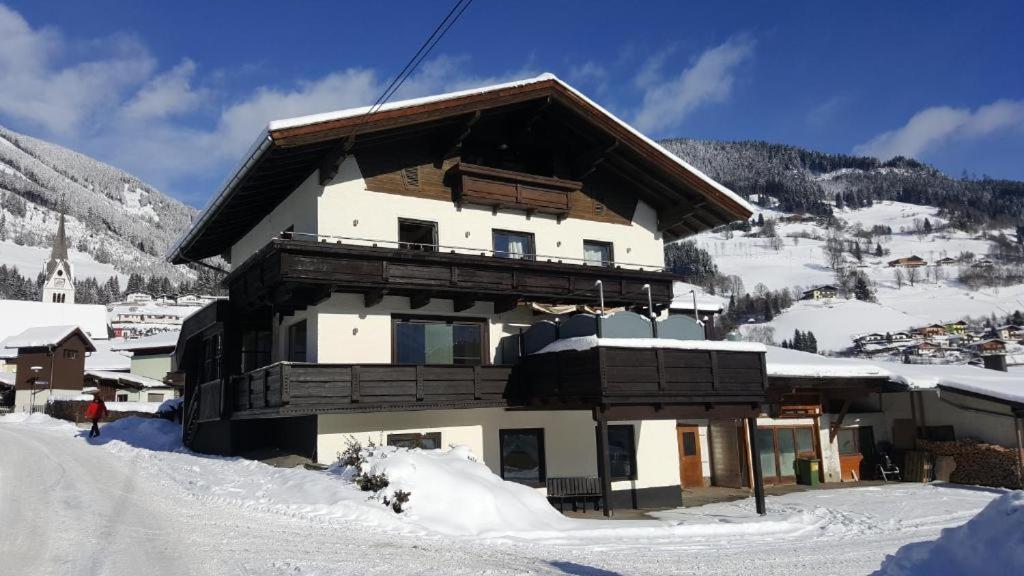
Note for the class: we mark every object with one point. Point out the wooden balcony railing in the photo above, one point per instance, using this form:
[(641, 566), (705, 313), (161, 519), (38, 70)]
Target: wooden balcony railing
[(288, 388), (507, 189)]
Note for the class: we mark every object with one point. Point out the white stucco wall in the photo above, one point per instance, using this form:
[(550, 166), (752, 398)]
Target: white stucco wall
[(348, 209), (299, 209), (569, 441), (971, 419)]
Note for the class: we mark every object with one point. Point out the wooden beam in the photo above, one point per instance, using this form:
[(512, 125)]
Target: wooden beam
[(463, 303), (372, 298), (676, 215), (418, 301), (457, 145), (755, 465), (594, 159), (604, 470), (331, 162), (833, 429)]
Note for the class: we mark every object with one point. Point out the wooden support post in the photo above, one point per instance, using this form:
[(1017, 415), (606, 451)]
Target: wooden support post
[(1019, 429), (755, 464), (833, 430), (603, 465)]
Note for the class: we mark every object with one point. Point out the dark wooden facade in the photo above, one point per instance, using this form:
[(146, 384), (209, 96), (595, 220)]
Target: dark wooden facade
[(62, 366), (292, 274), (612, 376), (291, 389)]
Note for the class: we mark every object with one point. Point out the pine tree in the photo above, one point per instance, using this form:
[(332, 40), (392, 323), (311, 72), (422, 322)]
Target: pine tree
[(927, 226), (861, 289), (878, 250), (760, 219), (812, 343), (798, 340), (857, 253)]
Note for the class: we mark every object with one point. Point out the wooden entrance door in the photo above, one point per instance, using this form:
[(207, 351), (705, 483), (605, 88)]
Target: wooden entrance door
[(691, 475)]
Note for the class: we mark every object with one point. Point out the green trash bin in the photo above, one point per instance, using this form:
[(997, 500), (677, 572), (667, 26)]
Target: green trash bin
[(807, 471)]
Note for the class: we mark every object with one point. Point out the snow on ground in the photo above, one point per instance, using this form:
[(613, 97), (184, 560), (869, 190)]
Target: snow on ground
[(31, 260), (991, 543), (835, 322), (132, 501)]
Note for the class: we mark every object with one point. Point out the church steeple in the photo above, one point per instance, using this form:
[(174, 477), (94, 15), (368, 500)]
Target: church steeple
[(60, 279)]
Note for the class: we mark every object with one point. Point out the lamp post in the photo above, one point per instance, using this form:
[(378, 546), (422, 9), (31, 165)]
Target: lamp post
[(32, 396)]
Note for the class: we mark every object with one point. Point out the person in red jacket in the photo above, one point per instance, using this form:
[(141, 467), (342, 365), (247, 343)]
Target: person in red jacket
[(96, 411)]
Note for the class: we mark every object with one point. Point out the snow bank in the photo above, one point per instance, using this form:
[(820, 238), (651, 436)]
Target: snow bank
[(991, 543), (454, 493), (588, 342), (146, 433)]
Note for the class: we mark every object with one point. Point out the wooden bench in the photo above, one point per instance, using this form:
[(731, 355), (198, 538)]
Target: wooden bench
[(574, 489)]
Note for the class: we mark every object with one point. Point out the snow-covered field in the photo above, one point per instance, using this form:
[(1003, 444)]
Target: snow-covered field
[(801, 262), (135, 502)]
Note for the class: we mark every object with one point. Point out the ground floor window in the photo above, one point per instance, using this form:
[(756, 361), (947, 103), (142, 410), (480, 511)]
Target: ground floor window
[(439, 341), (622, 452), (779, 447), (848, 442), (154, 397), (522, 456), (121, 398), (425, 441)]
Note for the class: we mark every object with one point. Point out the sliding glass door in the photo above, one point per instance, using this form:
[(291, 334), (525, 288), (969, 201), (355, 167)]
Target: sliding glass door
[(439, 341)]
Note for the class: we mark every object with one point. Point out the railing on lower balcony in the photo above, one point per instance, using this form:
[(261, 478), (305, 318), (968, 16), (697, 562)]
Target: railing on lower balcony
[(289, 388)]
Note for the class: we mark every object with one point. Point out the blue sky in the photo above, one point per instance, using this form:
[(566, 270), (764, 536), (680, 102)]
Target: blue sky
[(176, 91)]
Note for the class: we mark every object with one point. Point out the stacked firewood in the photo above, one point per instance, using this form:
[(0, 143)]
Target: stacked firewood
[(979, 463)]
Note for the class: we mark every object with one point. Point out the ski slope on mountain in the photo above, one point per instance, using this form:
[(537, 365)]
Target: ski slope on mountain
[(31, 260), (801, 263)]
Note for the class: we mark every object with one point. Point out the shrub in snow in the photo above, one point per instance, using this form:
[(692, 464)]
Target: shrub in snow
[(990, 543), (354, 457)]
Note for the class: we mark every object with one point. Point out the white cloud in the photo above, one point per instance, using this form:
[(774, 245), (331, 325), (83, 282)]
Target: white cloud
[(667, 102), (932, 127), (167, 94), (62, 99), (115, 104), (589, 74)]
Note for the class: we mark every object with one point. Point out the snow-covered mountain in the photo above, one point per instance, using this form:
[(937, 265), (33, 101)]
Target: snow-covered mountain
[(877, 210), (115, 222), (802, 180)]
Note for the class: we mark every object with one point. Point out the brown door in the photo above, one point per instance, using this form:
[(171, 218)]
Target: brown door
[(690, 472)]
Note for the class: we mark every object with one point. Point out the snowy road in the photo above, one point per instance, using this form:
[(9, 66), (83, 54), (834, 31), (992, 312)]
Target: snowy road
[(70, 507)]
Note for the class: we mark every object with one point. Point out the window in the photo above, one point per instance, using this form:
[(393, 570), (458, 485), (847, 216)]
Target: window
[(622, 452), (417, 235), (256, 345), (151, 397), (522, 456), (518, 245), (848, 444), (424, 441), (597, 253), (297, 342), (212, 350), (438, 341), (71, 354), (121, 398)]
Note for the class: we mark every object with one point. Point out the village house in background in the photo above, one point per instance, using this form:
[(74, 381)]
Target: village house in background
[(821, 292), (908, 262), (50, 363)]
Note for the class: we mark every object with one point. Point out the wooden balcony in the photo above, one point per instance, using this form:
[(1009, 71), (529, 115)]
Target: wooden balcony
[(620, 376), (292, 274), (507, 189), (292, 389)]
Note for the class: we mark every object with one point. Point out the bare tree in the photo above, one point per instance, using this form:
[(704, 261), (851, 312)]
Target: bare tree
[(897, 275), (761, 333), (913, 275), (834, 251)]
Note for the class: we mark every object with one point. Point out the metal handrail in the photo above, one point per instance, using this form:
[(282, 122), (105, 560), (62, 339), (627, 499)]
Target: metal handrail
[(466, 249)]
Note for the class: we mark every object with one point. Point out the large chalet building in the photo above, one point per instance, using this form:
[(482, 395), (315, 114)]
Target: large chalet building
[(481, 268)]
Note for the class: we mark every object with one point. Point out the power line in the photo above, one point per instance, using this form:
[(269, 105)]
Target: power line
[(428, 45)]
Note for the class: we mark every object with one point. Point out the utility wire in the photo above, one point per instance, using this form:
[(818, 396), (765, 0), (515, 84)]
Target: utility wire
[(428, 45)]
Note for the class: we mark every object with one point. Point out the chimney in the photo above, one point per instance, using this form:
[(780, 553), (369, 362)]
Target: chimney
[(995, 362)]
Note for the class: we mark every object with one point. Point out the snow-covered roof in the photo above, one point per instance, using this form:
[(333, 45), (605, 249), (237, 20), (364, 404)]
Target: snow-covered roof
[(992, 383), (168, 339), (150, 309), (17, 315), (783, 362), (263, 142), (104, 358), (683, 300), (127, 377), (43, 336), (588, 342)]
